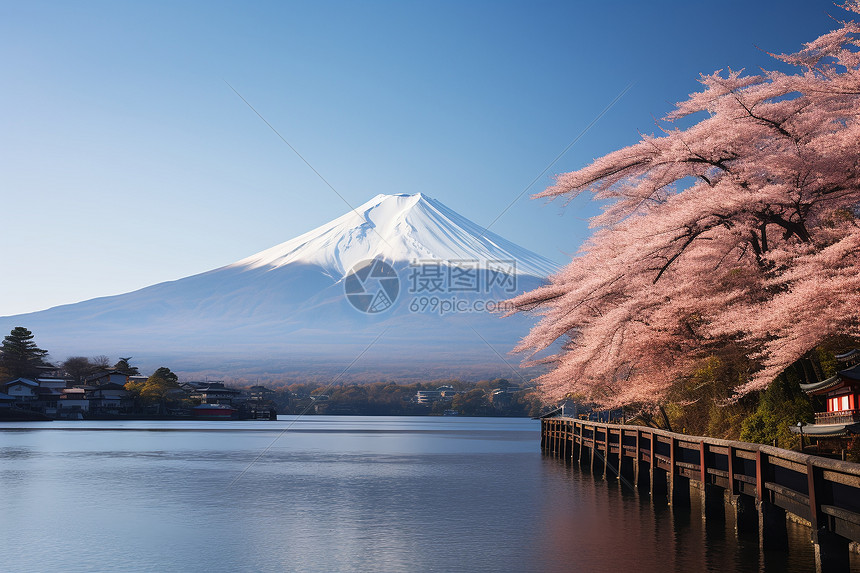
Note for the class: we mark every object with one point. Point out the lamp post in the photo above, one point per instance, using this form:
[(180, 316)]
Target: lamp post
[(800, 429)]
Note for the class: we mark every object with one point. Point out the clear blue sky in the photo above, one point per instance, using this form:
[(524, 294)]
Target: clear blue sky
[(125, 159)]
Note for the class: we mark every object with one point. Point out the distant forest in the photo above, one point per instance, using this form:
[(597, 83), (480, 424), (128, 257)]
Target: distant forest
[(482, 398)]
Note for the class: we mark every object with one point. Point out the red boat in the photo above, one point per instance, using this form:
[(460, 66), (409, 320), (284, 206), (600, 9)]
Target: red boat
[(213, 411)]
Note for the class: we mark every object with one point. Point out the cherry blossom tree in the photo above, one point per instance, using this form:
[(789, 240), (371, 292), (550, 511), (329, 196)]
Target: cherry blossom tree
[(738, 230)]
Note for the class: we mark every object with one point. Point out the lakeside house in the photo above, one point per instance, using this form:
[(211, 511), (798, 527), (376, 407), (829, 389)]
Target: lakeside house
[(835, 427), (218, 393), (73, 403), (107, 377), (261, 393), (109, 398), (49, 392), (55, 383), (24, 390), (103, 394)]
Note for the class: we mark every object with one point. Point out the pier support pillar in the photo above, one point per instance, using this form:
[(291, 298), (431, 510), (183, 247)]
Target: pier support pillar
[(831, 552), (713, 503), (609, 471), (679, 491), (598, 462), (659, 483), (772, 533), (643, 475), (745, 514), (628, 469)]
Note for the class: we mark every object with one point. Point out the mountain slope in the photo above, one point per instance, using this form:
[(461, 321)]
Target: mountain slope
[(397, 228), (283, 311)]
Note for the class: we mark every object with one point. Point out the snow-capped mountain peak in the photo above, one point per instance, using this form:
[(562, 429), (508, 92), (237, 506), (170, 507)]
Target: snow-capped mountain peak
[(293, 310), (398, 228)]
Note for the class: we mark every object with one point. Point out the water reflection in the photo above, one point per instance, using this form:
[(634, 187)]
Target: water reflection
[(597, 523), (339, 494)]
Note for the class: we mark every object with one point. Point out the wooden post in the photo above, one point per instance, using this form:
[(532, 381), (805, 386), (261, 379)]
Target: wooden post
[(549, 436), (598, 458), (593, 447), (626, 462), (679, 487), (671, 475), (572, 434), (581, 445), (733, 490), (564, 440), (831, 550), (742, 506), (609, 472), (772, 533), (637, 461), (814, 505), (643, 478), (759, 476), (713, 497), (606, 471), (659, 479)]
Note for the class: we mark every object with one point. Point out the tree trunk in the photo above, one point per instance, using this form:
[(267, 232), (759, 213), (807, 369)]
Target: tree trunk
[(816, 366), (665, 418), (800, 371), (808, 373)]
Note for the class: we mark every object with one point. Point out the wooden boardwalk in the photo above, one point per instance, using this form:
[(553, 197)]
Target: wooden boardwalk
[(760, 484)]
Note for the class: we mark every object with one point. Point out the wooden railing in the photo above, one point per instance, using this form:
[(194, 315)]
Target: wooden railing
[(757, 480), (840, 417)]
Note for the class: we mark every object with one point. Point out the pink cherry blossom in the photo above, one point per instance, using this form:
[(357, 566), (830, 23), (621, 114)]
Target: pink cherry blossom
[(740, 229)]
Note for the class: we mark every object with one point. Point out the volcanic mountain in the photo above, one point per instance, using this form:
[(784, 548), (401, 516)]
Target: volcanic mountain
[(400, 287)]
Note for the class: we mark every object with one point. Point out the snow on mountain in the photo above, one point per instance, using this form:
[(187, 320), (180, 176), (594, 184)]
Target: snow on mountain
[(284, 311), (397, 228)]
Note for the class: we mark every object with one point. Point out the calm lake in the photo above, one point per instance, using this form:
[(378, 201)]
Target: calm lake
[(329, 494)]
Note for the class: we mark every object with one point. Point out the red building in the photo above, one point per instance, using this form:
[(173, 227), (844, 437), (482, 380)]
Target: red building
[(842, 396)]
